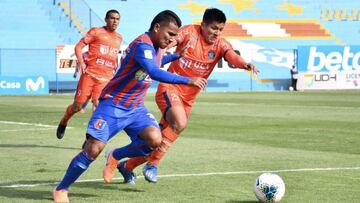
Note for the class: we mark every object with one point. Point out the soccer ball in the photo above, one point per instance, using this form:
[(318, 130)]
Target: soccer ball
[(269, 187)]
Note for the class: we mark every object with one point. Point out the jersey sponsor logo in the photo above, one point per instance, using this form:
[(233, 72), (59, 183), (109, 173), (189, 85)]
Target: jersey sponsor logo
[(105, 63), (211, 54), (140, 75), (194, 65), (100, 124), (104, 49), (148, 54), (107, 50), (34, 86)]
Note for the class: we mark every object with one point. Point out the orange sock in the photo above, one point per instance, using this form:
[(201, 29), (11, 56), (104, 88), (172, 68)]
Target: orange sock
[(156, 155), (134, 162), (168, 138), (67, 115)]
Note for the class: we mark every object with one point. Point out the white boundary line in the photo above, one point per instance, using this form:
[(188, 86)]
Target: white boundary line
[(194, 174), (31, 124), (27, 129)]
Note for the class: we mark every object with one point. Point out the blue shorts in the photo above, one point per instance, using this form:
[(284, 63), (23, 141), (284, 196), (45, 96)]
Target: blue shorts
[(108, 119)]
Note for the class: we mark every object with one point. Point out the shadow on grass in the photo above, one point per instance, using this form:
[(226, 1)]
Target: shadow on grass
[(35, 145), (110, 186), (16, 191), (30, 194), (242, 201)]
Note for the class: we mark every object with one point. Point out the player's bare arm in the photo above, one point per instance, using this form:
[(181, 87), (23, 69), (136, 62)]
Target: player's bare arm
[(234, 59), (81, 66), (181, 52)]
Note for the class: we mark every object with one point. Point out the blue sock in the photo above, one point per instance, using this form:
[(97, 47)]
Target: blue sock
[(77, 166), (134, 149)]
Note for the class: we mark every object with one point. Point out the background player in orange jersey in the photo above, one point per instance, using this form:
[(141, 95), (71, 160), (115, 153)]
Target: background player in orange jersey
[(205, 49), (99, 67)]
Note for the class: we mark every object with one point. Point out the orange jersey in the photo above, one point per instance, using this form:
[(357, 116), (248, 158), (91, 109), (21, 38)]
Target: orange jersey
[(103, 51), (199, 59)]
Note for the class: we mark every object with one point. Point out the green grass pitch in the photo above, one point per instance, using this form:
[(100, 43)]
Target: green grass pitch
[(312, 140)]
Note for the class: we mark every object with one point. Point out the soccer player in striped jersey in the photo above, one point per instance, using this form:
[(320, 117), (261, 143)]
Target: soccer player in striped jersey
[(97, 67), (121, 103), (175, 101)]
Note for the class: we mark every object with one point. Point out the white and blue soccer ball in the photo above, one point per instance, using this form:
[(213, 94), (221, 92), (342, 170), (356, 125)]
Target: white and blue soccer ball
[(269, 187)]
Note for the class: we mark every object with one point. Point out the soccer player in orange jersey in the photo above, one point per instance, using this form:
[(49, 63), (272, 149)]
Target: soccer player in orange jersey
[(98, 68), (205, 49)]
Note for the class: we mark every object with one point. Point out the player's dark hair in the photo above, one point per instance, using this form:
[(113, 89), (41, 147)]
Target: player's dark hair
[(111, 11), (214, 15), (164, 18)]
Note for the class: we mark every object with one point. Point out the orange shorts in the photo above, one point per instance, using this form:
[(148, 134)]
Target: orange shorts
[(167, 96), (88, 86)]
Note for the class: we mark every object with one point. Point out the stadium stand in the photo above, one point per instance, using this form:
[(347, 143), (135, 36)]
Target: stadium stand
[(25, 24), (272, 31)]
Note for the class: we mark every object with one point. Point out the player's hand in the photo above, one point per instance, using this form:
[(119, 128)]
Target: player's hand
[(182, 51), (251, 67), (81, 66), (198, 82)]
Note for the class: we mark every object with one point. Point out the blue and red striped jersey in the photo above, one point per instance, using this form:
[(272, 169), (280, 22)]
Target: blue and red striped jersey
[(140, 63)]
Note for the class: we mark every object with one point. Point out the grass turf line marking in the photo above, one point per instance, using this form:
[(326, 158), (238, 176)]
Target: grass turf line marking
[(28, 129), (31, 124), (194, 174)]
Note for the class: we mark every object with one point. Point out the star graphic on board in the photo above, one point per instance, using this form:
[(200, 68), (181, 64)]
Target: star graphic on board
[(194, 8), (242, 5), (292, 9)]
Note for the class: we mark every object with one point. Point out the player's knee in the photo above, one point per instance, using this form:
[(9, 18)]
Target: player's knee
[(178, 126), (152, 136), (93, 148), (154, 140), (92, 152)]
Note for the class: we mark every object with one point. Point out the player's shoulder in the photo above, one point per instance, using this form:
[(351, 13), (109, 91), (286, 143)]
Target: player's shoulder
[(142, 42), (224, 44), (95, 30), (222, 40), (98, 29), (118, 35), (190, 28)]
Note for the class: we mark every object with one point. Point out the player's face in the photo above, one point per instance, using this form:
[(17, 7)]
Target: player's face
[(112, 21), (211, 31), (165, 34)]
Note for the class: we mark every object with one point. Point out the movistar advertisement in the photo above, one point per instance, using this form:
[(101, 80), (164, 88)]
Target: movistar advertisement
[(328, 67), (23, 85)]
